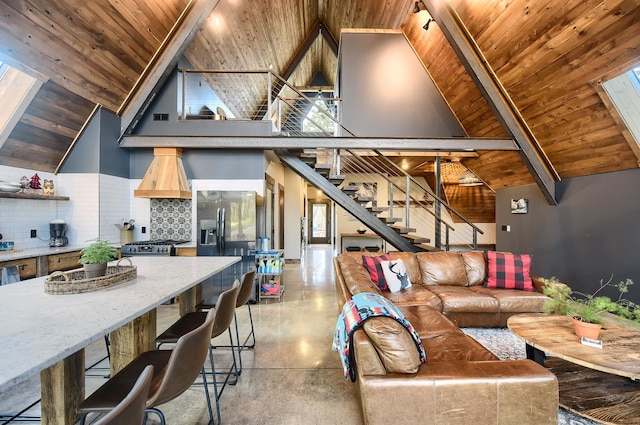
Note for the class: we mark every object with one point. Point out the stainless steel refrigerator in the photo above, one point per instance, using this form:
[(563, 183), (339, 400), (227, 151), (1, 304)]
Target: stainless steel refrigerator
[(227, 224)]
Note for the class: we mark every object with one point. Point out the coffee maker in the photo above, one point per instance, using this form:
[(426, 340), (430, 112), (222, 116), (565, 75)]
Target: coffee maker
[(57, 229)]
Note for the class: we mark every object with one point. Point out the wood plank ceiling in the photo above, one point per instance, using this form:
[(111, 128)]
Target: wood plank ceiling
[(550, 57)]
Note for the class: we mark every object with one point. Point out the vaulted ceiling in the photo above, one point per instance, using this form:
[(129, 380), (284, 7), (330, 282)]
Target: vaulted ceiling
[(549, 56)]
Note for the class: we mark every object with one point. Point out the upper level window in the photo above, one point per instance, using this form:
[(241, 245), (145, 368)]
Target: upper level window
[(318, 119)]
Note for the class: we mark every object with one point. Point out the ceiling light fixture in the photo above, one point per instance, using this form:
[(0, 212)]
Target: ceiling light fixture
[(467, 178)]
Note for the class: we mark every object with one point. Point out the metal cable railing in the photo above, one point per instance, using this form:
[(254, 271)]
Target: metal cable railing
[(428, 214), (258, 95)]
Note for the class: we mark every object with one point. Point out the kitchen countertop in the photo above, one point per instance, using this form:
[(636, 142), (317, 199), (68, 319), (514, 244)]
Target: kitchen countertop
[(18, 254), (39, 329)]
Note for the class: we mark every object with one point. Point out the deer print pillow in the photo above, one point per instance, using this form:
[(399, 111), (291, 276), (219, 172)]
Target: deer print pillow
[(396, 275)]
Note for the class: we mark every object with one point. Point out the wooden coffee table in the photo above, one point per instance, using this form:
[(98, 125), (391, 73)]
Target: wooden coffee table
[(596, 383)]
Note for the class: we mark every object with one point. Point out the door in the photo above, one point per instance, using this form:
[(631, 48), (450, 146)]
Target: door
[(320, 222)]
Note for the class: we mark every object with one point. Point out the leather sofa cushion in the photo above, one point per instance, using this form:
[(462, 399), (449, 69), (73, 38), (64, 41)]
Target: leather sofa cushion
[(475, 266), (464, 300), (394, 345), (455, 347), (514, 300), (414, 295), (442, 268), (355, 276), (428, 322)]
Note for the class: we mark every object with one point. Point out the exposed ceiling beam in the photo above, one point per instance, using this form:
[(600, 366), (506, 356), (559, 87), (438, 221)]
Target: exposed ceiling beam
[(380, 143), (495, 94), (161, 66)]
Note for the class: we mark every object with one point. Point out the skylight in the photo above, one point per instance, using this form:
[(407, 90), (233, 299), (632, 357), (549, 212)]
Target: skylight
[(17, 89), (634, 76), (624, 95)]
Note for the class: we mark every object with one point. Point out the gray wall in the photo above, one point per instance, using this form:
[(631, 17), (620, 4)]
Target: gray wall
[(593, 233), (97, 149), (387, 92), (208, 164)]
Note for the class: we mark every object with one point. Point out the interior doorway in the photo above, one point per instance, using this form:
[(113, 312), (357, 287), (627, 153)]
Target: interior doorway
[(319, 222)]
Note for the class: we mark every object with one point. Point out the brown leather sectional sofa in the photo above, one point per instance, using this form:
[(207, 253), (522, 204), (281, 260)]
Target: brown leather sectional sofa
[(462, 382), (450, 282)]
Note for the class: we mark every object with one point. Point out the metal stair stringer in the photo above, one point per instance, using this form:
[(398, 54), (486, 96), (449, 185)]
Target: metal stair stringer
[(345, 201)]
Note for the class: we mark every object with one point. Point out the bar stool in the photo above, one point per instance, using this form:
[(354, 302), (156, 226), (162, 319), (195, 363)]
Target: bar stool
[(174, 372), (130, 411), (248, 281), (224, 310)]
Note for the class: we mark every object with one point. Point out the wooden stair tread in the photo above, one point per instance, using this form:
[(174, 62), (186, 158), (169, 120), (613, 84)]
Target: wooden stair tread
[(377, 210), (350, 188), (403, 230), (390, 220), (415, 239), (337, 179), (425, 247)]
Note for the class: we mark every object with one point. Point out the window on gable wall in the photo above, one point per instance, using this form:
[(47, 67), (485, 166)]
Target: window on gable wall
[(318, 118)]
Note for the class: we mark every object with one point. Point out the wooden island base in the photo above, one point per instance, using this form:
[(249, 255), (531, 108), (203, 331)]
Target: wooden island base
[(600, 396)]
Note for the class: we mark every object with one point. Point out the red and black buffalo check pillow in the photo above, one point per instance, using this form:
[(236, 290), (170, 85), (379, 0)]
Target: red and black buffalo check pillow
[(373, 266), (509, 271)]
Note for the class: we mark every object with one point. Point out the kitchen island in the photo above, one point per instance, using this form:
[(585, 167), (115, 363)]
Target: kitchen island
[(47, 334)]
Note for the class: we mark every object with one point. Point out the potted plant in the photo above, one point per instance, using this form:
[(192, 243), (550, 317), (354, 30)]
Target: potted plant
[(589, 310), (96, 256)]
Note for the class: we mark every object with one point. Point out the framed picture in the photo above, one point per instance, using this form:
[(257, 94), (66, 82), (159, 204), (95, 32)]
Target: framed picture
[(369, 190), (519, 206)]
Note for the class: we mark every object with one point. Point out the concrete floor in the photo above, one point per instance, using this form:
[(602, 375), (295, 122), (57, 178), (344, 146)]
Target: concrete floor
[(291, 377)]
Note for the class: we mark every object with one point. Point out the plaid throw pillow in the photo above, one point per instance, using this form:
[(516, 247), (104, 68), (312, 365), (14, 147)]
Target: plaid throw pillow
[(373, 266), (509, 271)]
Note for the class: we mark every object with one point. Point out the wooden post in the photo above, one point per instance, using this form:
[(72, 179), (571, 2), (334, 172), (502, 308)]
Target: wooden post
[(132, 339), (62, 390), (189, 299)]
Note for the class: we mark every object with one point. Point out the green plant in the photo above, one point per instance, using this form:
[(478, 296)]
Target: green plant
[(98, 252), (589, 307)]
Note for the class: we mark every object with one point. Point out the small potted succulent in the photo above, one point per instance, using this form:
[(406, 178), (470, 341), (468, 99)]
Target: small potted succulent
[(96, 256), (589, 309)]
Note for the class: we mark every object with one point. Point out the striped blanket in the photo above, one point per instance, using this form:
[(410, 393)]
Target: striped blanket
[(354, 313)]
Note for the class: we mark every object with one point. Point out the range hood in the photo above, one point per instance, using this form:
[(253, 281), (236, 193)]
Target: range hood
[(165, 177)]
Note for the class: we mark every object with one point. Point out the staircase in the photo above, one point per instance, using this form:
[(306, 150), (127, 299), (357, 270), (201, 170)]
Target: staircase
[(319, 176), (432, 216)]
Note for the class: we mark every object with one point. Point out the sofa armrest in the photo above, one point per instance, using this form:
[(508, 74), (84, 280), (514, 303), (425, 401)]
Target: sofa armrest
[(497, 392)]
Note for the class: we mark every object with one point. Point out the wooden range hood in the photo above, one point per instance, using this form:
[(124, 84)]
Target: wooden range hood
[(165, 177)]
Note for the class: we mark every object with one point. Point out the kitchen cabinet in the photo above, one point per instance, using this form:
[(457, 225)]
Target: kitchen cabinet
[(65, 261), (26, 266), (186, 252), (41, 265)]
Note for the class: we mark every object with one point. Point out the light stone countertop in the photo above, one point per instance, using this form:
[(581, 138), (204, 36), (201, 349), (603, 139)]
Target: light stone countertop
[(37, 330), (18, 254)]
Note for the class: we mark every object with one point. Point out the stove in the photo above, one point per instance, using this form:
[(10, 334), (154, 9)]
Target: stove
[(166, 247)]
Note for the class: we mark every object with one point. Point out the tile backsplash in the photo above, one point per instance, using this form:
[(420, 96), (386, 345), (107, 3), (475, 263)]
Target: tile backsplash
[(171, 219)]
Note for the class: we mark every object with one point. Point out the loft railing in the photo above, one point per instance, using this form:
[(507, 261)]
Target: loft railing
[(258, 95)]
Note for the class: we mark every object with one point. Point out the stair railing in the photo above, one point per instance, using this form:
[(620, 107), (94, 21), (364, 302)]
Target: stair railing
[(417, 199)]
